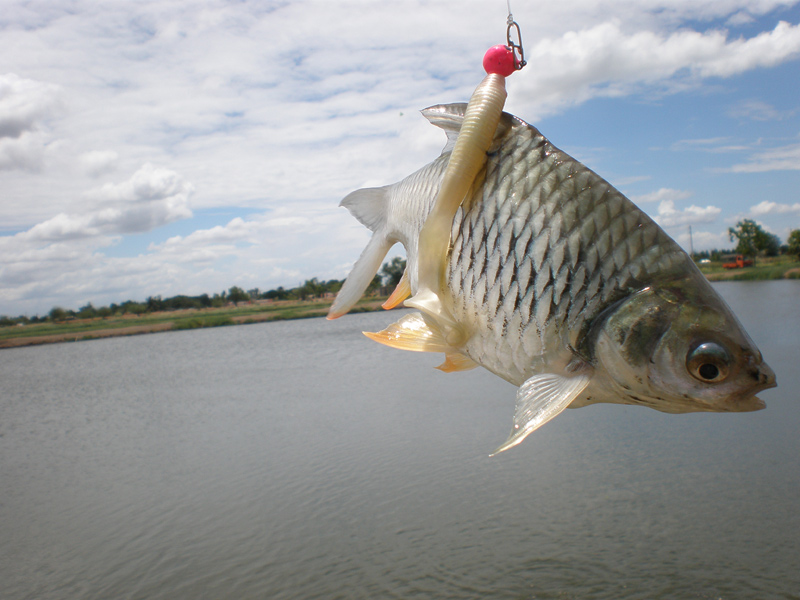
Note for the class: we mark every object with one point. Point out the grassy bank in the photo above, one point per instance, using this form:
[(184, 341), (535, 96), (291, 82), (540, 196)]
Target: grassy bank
[(781, 267), (778, 267), (87, 329)]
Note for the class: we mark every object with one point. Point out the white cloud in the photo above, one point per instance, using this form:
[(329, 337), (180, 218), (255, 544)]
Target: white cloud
[(784, 158), (740, 18), (669, 216), (661, 195), (24, 152), (24, 103), (757, 110), (606, 61), (99, 162), (152, 197), (774, 208), (701, 240)]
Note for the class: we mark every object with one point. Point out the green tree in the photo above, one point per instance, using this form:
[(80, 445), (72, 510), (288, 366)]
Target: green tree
[(218, 300), (278, 294), (374, 285), (58, 314), (155, 304), (772, 245), (333, 285), (87, 312), (134, 308), (237, 294), (393, 271), (752, 239), (794, 243), (310, 289)]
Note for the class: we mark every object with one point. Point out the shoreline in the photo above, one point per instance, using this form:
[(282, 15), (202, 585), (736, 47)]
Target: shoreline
[(125, 325)]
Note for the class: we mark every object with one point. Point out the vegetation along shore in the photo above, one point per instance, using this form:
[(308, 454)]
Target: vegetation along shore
[(237, 306)]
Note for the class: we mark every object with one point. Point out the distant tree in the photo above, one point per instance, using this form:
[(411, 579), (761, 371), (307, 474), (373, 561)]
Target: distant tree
[(155, 304), (772, 245), (277, 294), (752, 239), (6, 321), (218, 300), (134, 308), (104, 312), (182, 302), (87, 312), (794, 243), (333, 285), (393, 271), (237, 294), (718, 254), (58, 314), (374, 285)]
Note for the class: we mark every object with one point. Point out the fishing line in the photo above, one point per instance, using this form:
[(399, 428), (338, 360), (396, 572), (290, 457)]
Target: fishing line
[(514, 39)]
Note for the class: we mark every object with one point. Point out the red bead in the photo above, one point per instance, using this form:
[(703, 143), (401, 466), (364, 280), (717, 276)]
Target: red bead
[(500, 60)]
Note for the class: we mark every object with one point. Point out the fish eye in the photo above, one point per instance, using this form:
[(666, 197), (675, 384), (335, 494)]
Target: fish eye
[(709, 362)]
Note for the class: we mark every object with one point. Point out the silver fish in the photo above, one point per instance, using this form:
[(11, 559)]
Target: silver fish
[(559, 284)]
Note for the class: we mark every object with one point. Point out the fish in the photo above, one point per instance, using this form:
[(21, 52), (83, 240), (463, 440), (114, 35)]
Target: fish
[(556, 282)]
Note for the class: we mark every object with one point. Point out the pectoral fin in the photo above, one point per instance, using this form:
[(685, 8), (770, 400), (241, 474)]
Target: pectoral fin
[(539, 399)]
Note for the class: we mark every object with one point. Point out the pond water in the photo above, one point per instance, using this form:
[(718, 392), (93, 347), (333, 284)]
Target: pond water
[(300, 460)]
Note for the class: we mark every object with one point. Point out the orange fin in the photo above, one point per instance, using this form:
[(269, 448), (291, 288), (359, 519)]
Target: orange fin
[(455, 361), (411, 332), (400, 293)]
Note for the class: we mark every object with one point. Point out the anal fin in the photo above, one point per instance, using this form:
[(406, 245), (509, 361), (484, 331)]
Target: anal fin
[(456, 361), (540, 399)]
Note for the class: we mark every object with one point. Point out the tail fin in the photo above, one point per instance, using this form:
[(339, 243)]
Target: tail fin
[(370, 207)]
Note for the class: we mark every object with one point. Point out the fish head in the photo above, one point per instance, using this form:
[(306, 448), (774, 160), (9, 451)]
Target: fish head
[(679, 348)]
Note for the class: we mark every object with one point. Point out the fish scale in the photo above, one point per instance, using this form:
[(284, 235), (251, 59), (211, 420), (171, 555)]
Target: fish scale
[(576, 217), (554, 281)]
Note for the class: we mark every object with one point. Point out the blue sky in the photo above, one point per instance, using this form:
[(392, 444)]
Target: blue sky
[(176, 147)]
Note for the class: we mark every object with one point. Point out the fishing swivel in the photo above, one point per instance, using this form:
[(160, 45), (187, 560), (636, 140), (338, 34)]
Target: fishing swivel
[(514, 42)]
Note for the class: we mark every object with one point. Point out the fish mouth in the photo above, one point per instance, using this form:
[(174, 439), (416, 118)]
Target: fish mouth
[(750, 402)]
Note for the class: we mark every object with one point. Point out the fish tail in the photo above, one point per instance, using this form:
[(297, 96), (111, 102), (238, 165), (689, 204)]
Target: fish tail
[(370, 206)]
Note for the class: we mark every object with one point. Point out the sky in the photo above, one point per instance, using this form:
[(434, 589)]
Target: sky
[(184, 147)]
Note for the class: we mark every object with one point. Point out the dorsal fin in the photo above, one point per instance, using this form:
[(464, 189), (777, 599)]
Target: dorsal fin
[(449, 117)]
